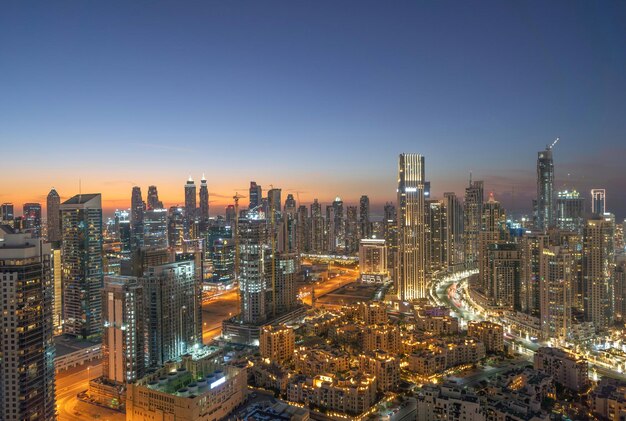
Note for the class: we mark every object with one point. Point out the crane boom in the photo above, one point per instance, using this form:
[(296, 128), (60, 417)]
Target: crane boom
[(553, 143)]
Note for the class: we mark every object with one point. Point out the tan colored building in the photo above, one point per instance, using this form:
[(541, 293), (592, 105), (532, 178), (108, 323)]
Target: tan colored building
[(277, 343), (372, 313), (352, 394), (566, 369), (190, 390), (386, 338), (438, 325), (312, 362), (384, 366), (489, 333)]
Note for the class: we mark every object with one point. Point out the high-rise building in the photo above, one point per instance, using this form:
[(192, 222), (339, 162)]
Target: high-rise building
[(598, 262), (173, 316), (190, 208), (303, 232), (373, 260), (230, 214), (474, 198), (274, 203), (53, 202), (533, 245), (32, 218), (352, 230), (436, 234), (155, 228), (277, 343), (493, 220), (285, 293), (7, 213), (153, 198), (81, 232), (365, 226), (27, 390), (598, 201), (176, 227), (330, 231), (505, 272), (57, 279), (252, 280), (256, 194), (412, 264), (317, 228), (204, 205), (545, 189), (223, 259), (570, 208), (290, 205), (123, 346), (136, 218), (454, 231), (555, 286), (390, 221), (339, 224)]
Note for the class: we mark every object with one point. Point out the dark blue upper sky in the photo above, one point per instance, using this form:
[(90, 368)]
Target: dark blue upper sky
[(318, 97)]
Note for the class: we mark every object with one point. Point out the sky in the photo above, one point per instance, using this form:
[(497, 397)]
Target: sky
[(315, 97)]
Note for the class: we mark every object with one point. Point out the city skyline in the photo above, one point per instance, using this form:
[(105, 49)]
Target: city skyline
[(364, 84)]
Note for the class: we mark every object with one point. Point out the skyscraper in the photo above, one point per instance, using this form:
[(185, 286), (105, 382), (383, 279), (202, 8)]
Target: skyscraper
[(204, 204), (303, 231), (474, 197), (173, 314), (365, 227), (317, 227), (556, 294), (155, 228), (436, 234), (390, 221), (454, 231), (32, 218), (411, 228), (81, 232), (190, 208), (27, 389), (153, 198), (274, 202), (339, 223), (352, 230), (256, 193), (252, 281), (7, 213), (570, 207), (123, 335), (598, 261), (598, 202), (286, 294), (136, 217), (290, 205), (176, 227), (53, 202), (545, 189)]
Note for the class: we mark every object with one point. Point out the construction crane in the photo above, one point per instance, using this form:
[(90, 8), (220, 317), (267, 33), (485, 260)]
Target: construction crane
[(553, 143)]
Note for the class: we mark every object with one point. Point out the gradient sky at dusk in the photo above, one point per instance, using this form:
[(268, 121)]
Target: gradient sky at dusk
[(317, 97)]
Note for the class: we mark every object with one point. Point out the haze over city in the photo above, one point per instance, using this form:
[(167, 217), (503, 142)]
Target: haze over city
[(315, 98)]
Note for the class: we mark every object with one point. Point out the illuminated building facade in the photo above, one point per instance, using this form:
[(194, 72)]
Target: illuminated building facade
[(365, 226), (373, 260), (545, 190), (277, 343), (32, 219), (473, 208), (81, 231), (570, 208), (598, 201), (53, 213), (173, 314), (27, 389), (412, 264), (155, 229), (252, 280)]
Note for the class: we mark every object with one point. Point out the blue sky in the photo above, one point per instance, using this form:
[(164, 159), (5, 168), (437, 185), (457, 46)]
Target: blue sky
[(316, 97)]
